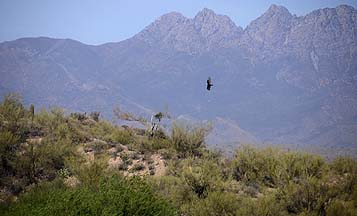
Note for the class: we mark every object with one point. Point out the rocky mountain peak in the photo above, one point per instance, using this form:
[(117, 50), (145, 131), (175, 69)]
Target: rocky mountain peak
[(275, 14), (202, 32), (161, 27), (330, 13), (171, 18), (213, 28), (277, 10), (209, 18), (345, 7), (271, 28), (205, 14)]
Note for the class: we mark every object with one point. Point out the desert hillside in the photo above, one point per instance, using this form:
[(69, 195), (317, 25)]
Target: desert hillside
[(58, 163)]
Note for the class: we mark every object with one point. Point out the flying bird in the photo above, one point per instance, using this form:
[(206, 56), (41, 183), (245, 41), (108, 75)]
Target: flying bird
[(209, 84)]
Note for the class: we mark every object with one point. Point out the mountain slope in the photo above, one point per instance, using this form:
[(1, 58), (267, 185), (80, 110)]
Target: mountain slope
[(284, 78)]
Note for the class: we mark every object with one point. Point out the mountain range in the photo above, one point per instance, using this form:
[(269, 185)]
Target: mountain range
[(284, 79)]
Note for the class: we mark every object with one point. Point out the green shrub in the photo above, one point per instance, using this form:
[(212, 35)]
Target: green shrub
[(116, 196), (78, 132), (347, 187), (53, 124), (188, 140), (256, 165), (341, 208), (173, 189), (344, 165), (201, 176), (310, 195), (274, 167), (98, 146), (41, 160), (120, 136), (88, 173), (167, 153), (8, 144), (302, 165), (151, 144), (267, 205), (13, 115), (251, 190), (102, 130), (216, 203), (160, 143)]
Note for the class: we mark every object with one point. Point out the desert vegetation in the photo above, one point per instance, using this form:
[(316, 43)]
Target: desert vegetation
[(58, 163)]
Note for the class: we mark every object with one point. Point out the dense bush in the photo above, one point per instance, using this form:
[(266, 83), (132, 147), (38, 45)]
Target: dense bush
[(344, 165), (341, 208), (267, 205), (201, 176), (188, 140), (8, 142), (13, 130), (174, 189), (308, 196), (41, 160), (154, 144), (14, 116), (216, 203), (88, 173), (121, 136), (274, 167), (106, 131), (115, 196)]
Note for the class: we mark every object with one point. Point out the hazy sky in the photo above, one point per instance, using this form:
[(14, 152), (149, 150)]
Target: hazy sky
[(100, 21)]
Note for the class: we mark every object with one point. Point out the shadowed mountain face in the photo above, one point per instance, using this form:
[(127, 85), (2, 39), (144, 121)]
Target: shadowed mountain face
[(283, 79)]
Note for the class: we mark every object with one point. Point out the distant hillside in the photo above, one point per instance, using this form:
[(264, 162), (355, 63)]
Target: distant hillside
[(283, 79)]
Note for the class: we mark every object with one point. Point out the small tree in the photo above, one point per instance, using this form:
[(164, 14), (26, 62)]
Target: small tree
[(155, 122)]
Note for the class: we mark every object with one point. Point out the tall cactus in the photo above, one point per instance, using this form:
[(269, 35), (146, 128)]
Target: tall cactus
[(32, 113), (32, 110)]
